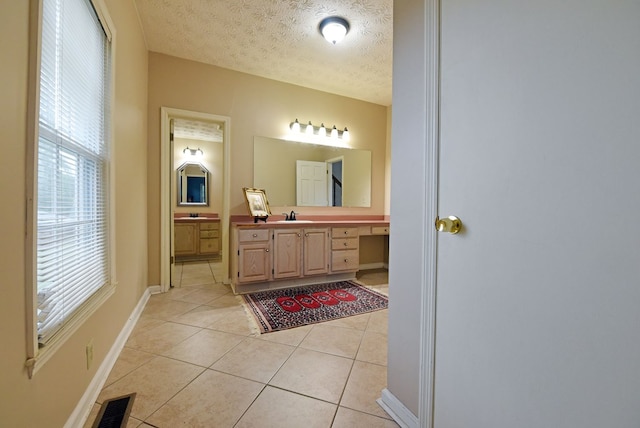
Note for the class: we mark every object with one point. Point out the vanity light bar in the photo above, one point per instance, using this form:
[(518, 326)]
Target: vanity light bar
[(321, 131), (193, 152)]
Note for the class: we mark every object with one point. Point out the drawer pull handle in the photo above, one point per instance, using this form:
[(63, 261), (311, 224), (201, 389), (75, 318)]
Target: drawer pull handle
[(267, 250), (255, 235), (346, 232), (299, 234), (345, 260), (306, 234), (345, 244)]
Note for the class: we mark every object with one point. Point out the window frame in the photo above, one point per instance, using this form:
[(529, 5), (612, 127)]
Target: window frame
[(38, 356)]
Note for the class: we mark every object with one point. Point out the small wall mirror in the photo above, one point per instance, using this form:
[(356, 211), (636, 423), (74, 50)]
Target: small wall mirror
[(193, 184)]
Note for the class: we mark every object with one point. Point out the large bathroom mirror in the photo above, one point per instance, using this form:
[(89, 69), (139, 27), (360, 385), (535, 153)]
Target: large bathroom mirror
[(303, 174), (192, 184)]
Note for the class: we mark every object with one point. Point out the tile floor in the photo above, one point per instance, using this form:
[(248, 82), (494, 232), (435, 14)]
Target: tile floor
[(194, 361)]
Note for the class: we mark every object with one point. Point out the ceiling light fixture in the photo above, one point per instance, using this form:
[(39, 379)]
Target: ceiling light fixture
[(334, 28)]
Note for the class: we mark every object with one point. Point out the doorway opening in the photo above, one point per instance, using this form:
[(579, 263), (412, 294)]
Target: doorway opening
[(219, 193), (335, 175)]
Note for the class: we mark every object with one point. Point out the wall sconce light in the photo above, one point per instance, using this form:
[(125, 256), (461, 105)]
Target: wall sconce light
[(193, 152), (334, 28), (320, 131)]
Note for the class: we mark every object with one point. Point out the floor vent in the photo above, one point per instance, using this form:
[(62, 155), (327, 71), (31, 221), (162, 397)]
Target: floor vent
[(114, 413)]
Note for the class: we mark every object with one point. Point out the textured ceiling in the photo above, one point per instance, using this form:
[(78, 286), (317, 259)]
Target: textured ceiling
[(195, 130), (279, 39)]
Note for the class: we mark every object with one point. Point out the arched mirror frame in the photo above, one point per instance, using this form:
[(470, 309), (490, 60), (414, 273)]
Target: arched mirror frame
[(184, 186)]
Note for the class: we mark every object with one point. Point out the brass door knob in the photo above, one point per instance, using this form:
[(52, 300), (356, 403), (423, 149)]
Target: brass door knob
[(451, 224)]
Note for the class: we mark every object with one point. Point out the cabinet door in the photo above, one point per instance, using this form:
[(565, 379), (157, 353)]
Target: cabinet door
[(287, 253), (254, 262), (316, 251), (185, 239)]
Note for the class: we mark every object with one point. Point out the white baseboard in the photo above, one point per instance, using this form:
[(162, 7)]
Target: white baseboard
[(397, 410), (154, 289), (83, 408)]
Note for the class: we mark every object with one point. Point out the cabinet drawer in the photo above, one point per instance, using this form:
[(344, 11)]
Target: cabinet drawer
[(345, 260), (209, 246), (254, 235), (344, 243), (344, 232), (209, 233), (210, 225), (379, 230)]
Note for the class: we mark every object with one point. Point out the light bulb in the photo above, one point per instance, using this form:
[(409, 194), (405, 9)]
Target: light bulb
[(345, 134), (334, 132), (309, 129), (322, 131), (334, 28), (295, 126)]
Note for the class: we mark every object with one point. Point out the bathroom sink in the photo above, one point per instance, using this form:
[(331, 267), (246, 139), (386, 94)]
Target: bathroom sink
[(294, 221)]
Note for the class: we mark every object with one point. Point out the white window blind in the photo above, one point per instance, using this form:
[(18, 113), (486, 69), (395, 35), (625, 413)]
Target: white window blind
[(72, 183)]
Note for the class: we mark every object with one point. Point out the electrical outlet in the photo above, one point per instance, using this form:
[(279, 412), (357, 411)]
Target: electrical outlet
[(89, 354)]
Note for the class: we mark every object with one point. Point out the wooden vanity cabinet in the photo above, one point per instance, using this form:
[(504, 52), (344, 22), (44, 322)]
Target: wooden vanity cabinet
[(281, 253), (272, 256), (196, 239), (345, 249)]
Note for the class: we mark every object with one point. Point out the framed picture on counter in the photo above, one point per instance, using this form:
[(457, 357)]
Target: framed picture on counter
[(257, 203)]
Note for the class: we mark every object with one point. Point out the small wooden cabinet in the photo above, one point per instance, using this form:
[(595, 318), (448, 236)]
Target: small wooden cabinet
[(196, 239)]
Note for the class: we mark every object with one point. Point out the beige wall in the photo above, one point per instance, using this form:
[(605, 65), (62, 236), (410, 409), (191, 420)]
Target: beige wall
[(257, 107), (48, 399)]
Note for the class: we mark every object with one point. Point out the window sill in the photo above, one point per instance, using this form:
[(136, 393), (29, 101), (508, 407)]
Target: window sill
[(33, 365)]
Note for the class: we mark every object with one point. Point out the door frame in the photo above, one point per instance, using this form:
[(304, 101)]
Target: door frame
[(432, 31), (416, 125), (428, 307), (166, 192)]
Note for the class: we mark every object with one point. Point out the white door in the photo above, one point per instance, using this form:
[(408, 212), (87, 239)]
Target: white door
[(538, 299), (311, 184)]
